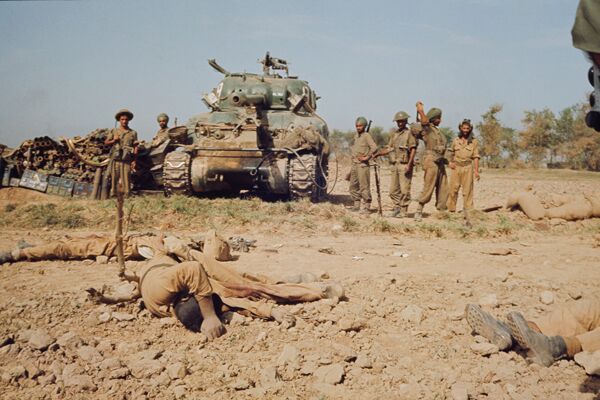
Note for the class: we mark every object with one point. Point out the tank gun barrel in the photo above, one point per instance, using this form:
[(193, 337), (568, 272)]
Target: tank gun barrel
[(213, 63), (241, 99)]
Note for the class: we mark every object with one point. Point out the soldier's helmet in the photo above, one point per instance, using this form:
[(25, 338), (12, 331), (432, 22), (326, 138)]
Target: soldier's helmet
[(400, 116)]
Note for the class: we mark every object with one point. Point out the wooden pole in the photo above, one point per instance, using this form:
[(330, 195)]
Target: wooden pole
[(119, 228)]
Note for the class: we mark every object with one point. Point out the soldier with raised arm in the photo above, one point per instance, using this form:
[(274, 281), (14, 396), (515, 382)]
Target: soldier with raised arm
[(434, 161)]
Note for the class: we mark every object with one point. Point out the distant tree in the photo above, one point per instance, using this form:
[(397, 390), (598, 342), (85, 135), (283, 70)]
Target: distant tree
[(582, 150), (508, 145), (538, 136), (491, 133), (449, 133), (379, 135)]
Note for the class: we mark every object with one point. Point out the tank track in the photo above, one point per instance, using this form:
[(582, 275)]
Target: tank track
[(176, 174), (299, 178)]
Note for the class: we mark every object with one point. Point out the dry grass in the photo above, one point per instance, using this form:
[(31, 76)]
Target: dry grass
[(254, 214)]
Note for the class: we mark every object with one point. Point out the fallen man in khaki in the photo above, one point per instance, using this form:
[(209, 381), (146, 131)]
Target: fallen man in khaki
[(167, 278), (135, 247), (570, 208), (563, 333)]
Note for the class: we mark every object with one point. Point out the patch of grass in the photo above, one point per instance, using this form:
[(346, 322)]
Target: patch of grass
[(506, 226), (382, 225), (433, 229), (41, 215), (10, 207), (481, 231), (349, 224)]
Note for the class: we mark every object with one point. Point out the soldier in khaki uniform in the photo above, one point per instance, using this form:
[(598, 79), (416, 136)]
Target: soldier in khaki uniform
[(362, 150), (163, 133), (401, 149), (124, 143), (434, 161), (464, 163)]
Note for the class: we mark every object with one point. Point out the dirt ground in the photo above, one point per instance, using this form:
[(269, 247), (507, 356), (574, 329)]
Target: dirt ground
[(400, 333)]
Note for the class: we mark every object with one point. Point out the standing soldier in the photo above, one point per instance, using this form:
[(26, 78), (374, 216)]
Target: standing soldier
[(163, 133), (362, 151), (464, 163), (124, 143), (401, 149), (433, 160)]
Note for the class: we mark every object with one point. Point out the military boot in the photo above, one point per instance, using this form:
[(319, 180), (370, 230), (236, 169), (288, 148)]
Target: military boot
[(419, 213), (482, 323), (395, 213), (6, 256), (366, 209), (356, 206), (545, 349)]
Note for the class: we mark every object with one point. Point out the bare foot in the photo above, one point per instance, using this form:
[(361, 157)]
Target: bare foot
[(212, 328)]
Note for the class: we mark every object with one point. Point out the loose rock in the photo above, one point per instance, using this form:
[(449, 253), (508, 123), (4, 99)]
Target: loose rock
[(589, 361), (331, 374), (412, 314), (546, 297), (484, 349), (40, 340)]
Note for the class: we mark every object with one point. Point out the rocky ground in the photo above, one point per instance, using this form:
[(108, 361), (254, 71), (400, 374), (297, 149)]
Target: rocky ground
[(399, 334)]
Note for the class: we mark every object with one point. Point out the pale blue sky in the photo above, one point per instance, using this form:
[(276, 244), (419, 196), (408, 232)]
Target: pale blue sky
[(66, 67)]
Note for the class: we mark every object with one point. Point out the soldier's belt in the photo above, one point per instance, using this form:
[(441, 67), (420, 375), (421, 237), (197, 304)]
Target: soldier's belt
[(463, 163)]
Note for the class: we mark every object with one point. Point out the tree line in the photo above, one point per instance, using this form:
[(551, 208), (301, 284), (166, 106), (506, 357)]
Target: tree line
[(546, 139)]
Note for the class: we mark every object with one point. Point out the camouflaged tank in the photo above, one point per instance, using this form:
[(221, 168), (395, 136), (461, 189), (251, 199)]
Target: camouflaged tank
[(262, 133)]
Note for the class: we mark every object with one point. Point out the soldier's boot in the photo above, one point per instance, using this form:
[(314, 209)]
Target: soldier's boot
[(545, 349), (395, 213), (356, 206), (366, 209), (419, 213), (403, 212), (6, 257), (482, 323)]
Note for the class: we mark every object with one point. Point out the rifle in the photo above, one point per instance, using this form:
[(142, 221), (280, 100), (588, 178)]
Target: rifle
[(379, 210), (377, 185)]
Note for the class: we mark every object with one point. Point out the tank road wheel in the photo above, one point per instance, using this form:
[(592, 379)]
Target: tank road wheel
[(303, 172), (176, 173)]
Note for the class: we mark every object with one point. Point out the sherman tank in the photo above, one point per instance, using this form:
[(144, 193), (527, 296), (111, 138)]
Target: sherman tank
[(262, 133)]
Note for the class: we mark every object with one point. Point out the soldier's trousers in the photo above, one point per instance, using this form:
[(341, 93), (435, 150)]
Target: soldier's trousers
[(90, 247), (360, 182), (461, 176), (435, 179), (251, 292), (400, 185), (119, 170), (580, 319)]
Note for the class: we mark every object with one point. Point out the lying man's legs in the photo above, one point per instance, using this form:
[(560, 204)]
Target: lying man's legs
[(562, 333)]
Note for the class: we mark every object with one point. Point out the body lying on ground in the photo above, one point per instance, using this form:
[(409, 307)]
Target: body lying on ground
[(562, 333), (176, 270), (570, 208)]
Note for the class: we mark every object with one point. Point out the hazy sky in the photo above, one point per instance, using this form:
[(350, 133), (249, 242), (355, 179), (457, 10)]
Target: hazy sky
[(66, 67)]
